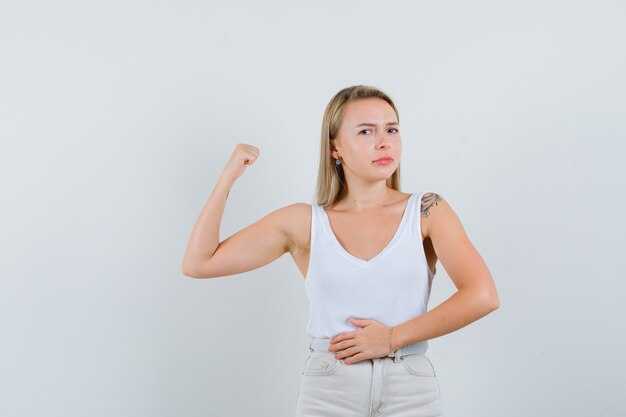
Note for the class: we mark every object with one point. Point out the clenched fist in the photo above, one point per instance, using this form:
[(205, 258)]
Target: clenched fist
[(242, 155)]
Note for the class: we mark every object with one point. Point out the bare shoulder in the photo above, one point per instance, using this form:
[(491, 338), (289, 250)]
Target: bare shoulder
[(429, 200), (294, 220), (440, 223), (434, 210)]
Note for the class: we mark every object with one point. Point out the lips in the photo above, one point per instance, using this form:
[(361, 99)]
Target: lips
[(384, 159)]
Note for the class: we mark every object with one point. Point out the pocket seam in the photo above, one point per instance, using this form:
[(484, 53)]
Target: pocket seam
[(431, 365), (334, 367), (431, 374)]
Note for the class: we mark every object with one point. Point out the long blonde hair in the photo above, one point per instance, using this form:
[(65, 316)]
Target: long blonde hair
[(330, 177)]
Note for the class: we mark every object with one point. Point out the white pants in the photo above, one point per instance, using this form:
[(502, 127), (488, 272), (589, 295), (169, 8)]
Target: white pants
[(381, 387)]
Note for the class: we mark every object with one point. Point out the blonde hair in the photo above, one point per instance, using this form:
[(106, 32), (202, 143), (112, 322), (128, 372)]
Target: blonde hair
[(330, 177)]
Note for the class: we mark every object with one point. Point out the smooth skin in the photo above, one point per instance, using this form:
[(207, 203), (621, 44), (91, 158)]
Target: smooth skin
[(364, 220)]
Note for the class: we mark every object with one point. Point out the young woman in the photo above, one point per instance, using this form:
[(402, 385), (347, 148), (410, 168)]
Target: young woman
[(368, 253)]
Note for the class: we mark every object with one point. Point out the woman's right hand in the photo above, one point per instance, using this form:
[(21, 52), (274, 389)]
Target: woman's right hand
[(242, 155)]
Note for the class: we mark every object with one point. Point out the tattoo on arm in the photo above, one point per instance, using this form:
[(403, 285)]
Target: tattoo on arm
[(429, 200)]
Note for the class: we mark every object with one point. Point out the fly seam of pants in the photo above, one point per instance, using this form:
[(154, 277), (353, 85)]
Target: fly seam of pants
[(379, 366), (372, 385), (383, 398)]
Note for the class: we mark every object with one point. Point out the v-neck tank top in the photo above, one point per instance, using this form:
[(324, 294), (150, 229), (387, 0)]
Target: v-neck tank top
[(392, 287)]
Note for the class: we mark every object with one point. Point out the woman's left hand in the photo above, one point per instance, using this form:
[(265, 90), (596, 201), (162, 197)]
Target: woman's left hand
[(370, 341)]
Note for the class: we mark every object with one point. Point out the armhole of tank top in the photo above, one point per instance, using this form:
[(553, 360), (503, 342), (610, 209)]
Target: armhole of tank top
[(419, 233), (312, 238)]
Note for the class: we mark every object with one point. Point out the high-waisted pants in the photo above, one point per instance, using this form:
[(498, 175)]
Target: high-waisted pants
[(380, 387)]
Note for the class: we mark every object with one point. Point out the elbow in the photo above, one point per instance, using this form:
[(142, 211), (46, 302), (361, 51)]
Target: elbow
[(186, 272), (486, 298), (191, 272), (496, 302), (492, 301), (486, 301), (194, 268), (198, 272)]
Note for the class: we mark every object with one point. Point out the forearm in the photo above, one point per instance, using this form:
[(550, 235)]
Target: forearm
[(205, 236), (462, 308)]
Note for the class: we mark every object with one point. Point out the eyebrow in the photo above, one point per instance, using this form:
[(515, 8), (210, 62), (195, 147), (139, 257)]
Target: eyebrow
[(373, 124)]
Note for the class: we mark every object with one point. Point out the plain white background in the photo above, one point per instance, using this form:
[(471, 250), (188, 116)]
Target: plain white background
[(117, 117)]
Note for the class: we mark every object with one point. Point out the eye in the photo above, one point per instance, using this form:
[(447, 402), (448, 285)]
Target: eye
[(365, 130), (393, 128)]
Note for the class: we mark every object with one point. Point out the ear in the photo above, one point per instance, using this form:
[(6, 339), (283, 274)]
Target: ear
[(333, 150)]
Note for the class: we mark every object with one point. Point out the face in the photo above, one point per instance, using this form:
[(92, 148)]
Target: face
[(369, 131)]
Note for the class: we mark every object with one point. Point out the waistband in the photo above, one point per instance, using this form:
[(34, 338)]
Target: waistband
[(322, 343)]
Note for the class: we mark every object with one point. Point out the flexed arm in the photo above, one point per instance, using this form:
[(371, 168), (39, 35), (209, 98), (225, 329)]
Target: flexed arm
[(250, 248)]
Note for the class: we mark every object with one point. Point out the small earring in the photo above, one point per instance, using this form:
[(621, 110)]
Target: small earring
[(337, 161)]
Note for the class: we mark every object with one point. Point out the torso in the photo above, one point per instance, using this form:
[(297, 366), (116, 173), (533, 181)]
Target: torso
[(362, 235)]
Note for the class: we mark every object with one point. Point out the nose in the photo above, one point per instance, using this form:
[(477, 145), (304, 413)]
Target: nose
[(382, 141)]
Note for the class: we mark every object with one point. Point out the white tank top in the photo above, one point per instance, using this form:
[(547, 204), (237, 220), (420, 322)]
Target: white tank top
[(392, 287)]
